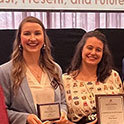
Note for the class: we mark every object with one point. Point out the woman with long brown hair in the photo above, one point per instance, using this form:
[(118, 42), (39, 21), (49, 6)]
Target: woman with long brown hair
[(31, 77), (90, 72)]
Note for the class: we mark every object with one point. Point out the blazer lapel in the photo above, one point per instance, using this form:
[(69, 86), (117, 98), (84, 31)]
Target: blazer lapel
[(57, 90), (28, 96)]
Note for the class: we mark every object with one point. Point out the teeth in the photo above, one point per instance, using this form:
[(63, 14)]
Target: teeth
[(92, 58), (32, 44)]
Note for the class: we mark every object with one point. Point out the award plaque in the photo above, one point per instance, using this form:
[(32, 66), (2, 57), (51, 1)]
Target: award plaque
[(110, 109), (49, 112)]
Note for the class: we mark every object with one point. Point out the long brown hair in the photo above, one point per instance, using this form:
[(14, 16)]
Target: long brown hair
[(105, 65), (46, 60)]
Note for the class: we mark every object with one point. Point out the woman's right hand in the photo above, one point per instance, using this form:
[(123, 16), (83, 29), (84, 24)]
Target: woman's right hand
[(33, 119)]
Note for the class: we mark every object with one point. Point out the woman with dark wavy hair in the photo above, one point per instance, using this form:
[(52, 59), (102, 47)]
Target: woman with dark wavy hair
[(31, 77), (90, 72)]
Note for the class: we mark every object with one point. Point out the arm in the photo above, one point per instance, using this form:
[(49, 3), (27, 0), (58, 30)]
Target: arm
[(62, 101), (62, 91), (117, 81), (15, 117)]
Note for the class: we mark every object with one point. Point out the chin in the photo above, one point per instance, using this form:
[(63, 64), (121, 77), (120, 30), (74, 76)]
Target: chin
[(92, 64), (33, 49)]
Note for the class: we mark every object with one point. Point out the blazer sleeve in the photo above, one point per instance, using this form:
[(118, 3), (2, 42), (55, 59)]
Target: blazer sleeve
[(14, 116), (62, 92)]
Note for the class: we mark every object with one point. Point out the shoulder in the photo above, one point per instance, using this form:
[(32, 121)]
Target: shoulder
[(66, 76), (114, 77), (7, 65), (67, 80), (58, 67), (114, 73), (6, 68)]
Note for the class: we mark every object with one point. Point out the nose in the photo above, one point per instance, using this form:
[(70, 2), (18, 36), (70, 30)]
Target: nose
[(32, 38), (93, 51)]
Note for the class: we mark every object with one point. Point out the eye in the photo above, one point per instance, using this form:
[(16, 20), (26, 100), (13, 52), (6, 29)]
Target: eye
[(89, 47), (99, 50), (26, 33), (38, 33)]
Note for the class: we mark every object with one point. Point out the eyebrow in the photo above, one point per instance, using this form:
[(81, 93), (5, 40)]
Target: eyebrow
[(34, 31), (92, 45)]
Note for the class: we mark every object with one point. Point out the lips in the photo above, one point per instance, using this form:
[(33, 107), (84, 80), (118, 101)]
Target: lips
[(32, 44), (92, 57)]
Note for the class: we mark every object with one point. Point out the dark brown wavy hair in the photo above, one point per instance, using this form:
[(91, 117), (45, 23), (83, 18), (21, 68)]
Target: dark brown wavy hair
[(105, 66), (46, 60)]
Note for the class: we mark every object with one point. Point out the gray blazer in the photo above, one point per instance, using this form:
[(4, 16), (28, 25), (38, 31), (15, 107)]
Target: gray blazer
[(19, 106)]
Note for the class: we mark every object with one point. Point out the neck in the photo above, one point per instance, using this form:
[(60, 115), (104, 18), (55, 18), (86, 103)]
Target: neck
[(32, 62), (31, 59), (88, 73), (88, 70)]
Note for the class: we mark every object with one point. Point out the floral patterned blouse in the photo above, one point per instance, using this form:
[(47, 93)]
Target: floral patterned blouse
[(80, 95)]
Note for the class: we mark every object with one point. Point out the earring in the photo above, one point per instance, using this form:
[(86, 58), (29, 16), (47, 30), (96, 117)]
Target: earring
[(44, 47), (20, 47)]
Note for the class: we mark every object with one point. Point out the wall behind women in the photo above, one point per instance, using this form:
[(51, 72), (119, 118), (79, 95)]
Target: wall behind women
[(59, 20), (63, 44)]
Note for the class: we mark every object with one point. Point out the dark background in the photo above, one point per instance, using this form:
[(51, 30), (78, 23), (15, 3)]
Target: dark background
[(64, 42), (115, 39)]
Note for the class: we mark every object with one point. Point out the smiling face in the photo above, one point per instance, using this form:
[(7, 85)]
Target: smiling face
[(32, 37), (92, 51)]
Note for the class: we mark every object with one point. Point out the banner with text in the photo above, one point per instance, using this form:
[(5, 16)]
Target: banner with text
[(102, 5)]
